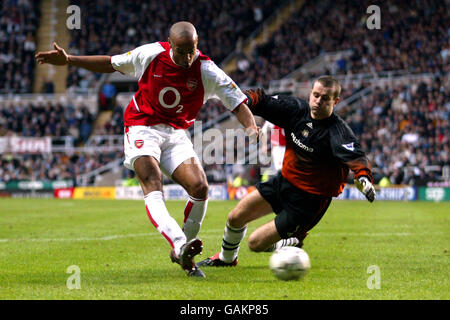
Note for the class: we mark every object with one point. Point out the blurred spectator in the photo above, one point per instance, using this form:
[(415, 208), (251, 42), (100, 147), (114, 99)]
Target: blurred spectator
[(49, 87), (107, 96)]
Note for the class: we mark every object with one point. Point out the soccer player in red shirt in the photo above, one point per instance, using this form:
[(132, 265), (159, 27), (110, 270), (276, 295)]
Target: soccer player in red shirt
[(175, 80), (320, 151)]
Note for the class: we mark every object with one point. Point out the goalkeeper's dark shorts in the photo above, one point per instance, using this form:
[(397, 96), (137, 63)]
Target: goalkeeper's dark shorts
[(297, 211)]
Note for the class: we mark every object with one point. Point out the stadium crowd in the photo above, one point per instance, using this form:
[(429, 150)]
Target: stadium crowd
[(404, 128), (19, 21), (41, 119), (55, 166), (414, 37), (113, 27)]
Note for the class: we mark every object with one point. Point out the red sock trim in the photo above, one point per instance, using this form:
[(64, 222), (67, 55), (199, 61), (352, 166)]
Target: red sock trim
[(187, 210), (156, 226), (151, 219), (168, 239)]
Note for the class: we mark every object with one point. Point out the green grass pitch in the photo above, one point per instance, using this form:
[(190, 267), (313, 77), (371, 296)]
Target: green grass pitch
[(121, 255)]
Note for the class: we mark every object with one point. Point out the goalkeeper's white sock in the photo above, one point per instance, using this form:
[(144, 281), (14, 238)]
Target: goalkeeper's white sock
[(194, 212), (163, 222), (283, 243), (231, 240)]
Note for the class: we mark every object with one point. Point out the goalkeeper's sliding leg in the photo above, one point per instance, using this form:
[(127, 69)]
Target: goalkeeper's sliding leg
[(296, 211), (252, 207)]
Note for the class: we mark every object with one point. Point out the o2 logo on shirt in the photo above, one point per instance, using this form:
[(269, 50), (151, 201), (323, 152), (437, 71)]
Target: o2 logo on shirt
[(173, 104)]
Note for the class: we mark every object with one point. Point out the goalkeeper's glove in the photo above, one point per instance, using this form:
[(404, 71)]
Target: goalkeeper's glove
[(366, 187)]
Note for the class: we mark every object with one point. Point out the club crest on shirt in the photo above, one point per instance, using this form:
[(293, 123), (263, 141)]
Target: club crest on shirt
[(192, 84), (139, 143), (349, 146), (305, 133)]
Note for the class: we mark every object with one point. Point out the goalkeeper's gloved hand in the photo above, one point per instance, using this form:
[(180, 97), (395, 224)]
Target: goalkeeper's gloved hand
[(366, 187)]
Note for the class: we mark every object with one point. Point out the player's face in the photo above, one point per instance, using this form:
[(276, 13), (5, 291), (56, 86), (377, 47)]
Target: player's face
[(183, 50), (322, 101)]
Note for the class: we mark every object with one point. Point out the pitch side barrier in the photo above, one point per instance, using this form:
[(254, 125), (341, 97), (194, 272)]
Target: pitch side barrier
[(171, 192), (400, 193), (66, 190)]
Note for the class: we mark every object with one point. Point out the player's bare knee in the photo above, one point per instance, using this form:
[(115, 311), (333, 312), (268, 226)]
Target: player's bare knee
[(235, 220), (150, 186), (255, 244), (150, 183), (199, 190)]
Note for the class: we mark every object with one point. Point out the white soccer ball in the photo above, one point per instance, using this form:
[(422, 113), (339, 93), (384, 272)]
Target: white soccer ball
[(290, 263)]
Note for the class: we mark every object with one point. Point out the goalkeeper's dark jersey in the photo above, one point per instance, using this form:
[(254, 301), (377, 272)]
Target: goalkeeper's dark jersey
[(319, 153)]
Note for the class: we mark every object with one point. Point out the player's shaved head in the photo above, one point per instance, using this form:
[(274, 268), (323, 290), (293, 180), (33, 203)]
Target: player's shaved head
[(183, 30)]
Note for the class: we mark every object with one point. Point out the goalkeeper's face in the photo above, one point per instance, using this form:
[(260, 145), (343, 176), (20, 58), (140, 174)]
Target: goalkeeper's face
[(322, 101)]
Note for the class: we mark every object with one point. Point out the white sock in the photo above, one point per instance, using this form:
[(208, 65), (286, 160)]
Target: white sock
[(232, 237), (284, 243), (163, 222), (194, 212)]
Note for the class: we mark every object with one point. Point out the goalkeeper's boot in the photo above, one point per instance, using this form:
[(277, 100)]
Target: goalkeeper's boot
[(215, 261), (186, 258)]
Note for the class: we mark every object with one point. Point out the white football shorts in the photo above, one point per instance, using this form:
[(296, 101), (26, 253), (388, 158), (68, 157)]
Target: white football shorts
[(170, 146)]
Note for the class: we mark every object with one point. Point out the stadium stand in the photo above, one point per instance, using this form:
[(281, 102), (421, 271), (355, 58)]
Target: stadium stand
[(405, 130), (56, 166), (414, 38), (220, 25), (18, 25), (46, 119), (402, 120)]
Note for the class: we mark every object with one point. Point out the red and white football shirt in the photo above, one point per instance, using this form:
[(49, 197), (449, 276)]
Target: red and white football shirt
[(171, 94), (277, 135)]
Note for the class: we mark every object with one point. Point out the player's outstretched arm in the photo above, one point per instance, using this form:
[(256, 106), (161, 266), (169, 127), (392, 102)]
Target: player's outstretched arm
[(59, 57), (245, 117)]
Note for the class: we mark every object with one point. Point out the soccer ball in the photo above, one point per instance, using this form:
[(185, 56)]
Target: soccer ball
[(289, 263)]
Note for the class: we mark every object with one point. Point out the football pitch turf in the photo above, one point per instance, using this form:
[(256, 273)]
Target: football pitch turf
[(400, 246)]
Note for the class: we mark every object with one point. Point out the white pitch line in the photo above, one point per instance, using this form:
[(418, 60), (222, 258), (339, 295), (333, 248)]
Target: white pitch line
[(212, 233), (106, 238)]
